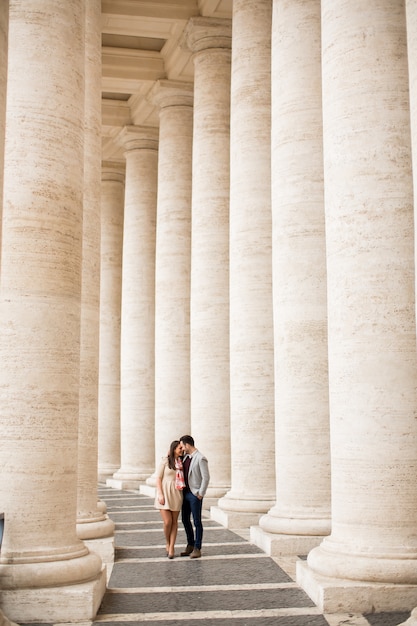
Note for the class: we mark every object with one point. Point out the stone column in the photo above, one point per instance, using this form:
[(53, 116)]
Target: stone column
[(43, 565), (251, 334), (173, 263), (112, 203), (301, 515), (368, 563), (411, 15), (137, 365), (210, 41), (93, 525), (4, 26)]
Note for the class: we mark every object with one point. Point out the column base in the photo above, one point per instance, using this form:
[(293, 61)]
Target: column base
[(4, 621), (104, 547), (208, 503), (234, 519), (337, 595), (98, 536), (132, 475), (114, 483), (101, 507), (147, 490), (216, 492), (95, 527), (69, 603), (106, 472), (280, 544), (151, 481)]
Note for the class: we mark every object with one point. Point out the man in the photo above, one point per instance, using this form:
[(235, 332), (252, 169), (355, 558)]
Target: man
[(196, 477)]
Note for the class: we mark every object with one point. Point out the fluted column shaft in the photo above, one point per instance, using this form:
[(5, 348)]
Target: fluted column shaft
[(210, 40), (137, 366), (173, 263), (92, 523), (112, 203), (251, 334), (299, 269), (40, 307), (4, 26), (371, 302)]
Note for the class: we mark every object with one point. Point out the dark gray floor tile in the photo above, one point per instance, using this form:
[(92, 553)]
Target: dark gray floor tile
[(209, 550), (142, 538), (184, 571), (228, 600), (139, 538), (127, 517), (299, 620), (221, 535), (386, 619), (122, 525)]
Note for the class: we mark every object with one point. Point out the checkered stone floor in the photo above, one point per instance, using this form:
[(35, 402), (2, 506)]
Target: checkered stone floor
[(233, 584)]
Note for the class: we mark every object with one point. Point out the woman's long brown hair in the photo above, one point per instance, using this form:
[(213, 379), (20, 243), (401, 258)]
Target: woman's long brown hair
[(171, 454)]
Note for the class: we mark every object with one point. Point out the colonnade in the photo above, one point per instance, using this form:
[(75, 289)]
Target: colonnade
[(246, 274), (57, 536)]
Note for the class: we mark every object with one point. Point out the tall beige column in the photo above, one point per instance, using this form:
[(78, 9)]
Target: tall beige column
[(46, 572), (137, 364), (251, 335), (93, 525), (210, 41), (301, 515), (112, 203), (411, 16), (173, 263), (4, 27), (369, 560)]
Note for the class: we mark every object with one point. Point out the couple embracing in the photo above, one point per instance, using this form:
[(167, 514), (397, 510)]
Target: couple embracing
[(181, 484)]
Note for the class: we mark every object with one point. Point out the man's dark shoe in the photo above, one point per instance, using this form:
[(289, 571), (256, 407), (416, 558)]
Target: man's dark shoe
[(195, 554), (187, 551)]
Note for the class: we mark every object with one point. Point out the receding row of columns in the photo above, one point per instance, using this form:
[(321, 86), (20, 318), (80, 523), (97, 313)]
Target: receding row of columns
[(302, 359)]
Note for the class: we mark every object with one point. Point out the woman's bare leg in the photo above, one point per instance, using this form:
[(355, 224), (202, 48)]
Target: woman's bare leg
[(167, 519), (174, 531)]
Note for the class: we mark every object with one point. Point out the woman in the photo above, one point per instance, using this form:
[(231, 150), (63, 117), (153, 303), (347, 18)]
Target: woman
[(169, 485)]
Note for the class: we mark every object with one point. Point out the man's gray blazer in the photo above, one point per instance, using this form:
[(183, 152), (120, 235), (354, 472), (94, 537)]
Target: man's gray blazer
[(198, 474)]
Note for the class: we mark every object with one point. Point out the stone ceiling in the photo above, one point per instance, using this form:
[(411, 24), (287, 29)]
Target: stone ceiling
[(141, 43)]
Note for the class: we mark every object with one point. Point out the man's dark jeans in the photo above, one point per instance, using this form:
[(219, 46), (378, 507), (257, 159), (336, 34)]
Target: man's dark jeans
[(192, 505)]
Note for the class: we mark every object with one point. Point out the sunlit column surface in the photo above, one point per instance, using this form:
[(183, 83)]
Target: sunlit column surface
[(42, 559), (210, 41), (112, 203), (93, 525), (301, 514), (173, 263), (371, 313), (251, 335), (4, 24)]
